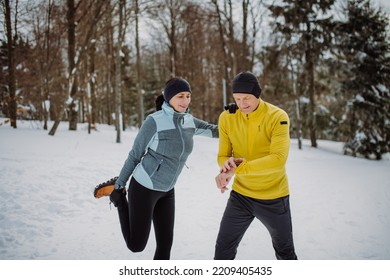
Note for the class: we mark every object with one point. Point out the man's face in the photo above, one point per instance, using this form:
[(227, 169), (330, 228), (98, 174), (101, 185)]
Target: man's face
[(247, 103)]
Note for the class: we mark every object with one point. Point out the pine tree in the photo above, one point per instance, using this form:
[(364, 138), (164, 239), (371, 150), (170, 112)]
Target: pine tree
[(363, 41), (307, 25)]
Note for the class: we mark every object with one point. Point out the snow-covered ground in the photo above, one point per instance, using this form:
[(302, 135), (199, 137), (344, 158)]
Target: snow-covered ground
[(340, 204)]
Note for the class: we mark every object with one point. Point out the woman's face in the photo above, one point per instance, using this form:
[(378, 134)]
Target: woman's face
[(180, 101)]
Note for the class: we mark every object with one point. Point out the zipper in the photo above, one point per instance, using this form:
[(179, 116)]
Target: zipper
[(182, 140), (158, 167), (247, 134)]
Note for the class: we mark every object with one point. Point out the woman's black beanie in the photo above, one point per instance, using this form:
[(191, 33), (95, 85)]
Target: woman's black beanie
[(174, 86), (246, 82)]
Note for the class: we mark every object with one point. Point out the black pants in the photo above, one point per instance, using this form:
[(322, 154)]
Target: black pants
[(136, 216), (239, 214)]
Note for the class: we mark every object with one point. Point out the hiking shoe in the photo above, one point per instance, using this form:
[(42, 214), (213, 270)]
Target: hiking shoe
[(104, 189)]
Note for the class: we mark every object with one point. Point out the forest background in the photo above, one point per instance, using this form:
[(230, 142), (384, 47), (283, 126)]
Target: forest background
[(325, 62)]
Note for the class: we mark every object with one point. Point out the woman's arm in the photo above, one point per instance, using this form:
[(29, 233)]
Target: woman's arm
[(141, 143), (205, 129)]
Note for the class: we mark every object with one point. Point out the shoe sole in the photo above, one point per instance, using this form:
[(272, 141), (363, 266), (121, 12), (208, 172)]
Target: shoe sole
[(104, 189)]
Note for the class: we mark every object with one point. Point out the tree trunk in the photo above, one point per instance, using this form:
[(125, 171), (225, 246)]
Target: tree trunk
[(73, 106), (140, 112), (310, 75), (55, 126), (45, 85), (118, 75), (91, 90), (11, 65), (243, 58), (297, 102), (223, 46), (73, 65), (298, 124), (171, 36), (232, 49), (109, 70)]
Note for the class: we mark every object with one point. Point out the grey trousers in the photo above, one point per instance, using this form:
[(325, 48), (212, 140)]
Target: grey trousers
[(239, 214)]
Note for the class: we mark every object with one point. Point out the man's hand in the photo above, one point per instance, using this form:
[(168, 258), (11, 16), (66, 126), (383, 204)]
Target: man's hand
[(231, 163), (226, 173), (223, 179)]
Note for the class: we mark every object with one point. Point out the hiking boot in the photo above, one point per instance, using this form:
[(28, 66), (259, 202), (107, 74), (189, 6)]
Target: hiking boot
[(104, 189)]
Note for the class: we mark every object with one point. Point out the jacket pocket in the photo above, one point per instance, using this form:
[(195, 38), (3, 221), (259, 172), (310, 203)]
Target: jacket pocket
[(157, 168)]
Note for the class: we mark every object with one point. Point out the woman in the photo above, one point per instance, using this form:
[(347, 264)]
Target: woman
[(155, 161)]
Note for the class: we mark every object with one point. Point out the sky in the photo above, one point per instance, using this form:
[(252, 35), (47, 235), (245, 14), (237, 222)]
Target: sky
[(384, 3)]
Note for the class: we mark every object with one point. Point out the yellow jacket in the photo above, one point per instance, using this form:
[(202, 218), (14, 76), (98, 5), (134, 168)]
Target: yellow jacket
[(262, 138)]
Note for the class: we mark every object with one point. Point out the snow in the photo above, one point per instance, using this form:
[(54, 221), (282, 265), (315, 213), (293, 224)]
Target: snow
[(340, 204), (359, 98), (382, 88)]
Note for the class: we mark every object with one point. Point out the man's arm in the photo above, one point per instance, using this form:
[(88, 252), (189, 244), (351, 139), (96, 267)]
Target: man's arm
[(225, 146), (278, 154)]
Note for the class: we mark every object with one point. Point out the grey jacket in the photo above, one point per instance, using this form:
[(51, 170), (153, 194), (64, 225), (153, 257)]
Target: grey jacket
[(162, 147)]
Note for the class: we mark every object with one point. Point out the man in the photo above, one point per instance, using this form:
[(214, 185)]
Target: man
[(254, 143)]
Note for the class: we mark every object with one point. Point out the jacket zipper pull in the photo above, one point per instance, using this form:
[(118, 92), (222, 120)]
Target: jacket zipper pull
[(159, 165)]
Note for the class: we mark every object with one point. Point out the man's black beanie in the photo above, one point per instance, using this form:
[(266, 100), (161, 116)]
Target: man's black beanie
[(174, 86), (246, 82)]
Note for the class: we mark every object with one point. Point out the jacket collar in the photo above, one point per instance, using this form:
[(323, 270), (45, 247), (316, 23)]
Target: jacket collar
[(170, 111)]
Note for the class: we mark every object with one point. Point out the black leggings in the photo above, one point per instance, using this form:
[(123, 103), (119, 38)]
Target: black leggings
[(136, 215)]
